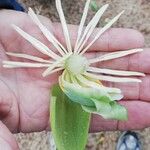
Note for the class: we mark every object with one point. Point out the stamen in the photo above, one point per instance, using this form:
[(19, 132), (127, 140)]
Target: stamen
[(64, 25), (36, 43), (30, 57), (114, 55), (47, 33), (90, 27), (106, 27), (112, 79), (115, 72), (82, 22)]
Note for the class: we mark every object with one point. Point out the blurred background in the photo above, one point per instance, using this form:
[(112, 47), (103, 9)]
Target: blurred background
[(136, 16)]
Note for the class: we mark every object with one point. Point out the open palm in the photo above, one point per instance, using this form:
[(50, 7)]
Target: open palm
[(24, 93)]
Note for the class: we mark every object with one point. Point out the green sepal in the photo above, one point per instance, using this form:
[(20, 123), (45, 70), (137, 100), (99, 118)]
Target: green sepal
[(111, 110), (83, 95), (96, 101), (69, 122)]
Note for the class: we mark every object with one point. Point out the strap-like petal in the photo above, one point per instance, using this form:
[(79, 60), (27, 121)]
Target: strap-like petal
[(47, 33), (82, 22), (101, 31), (17, 64), (112, 79), (114, 55), (90, 27), (36, 43), (30, 57), (115, 72), (64, 25)]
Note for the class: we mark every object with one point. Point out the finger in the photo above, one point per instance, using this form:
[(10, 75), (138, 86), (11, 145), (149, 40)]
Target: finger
[(7, 141), (139, 62), (111, 40), (138, 118)]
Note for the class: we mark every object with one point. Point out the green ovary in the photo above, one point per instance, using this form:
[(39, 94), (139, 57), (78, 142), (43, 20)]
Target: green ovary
[(76, 64)]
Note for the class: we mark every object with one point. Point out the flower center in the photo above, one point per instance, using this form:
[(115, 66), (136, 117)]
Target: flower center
[(76, 64)]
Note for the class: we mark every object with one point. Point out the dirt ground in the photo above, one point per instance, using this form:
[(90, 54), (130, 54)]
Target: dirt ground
[(137, 16)]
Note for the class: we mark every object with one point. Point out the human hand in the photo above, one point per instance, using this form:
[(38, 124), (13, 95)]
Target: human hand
[(24, 97)]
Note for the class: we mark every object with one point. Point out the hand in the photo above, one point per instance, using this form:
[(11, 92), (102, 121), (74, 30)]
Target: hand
[(24, 96)]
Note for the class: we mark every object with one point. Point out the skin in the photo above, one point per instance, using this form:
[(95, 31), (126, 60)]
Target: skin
[(24, 96)]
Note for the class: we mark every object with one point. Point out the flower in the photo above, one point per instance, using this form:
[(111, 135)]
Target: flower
[(79, 81)]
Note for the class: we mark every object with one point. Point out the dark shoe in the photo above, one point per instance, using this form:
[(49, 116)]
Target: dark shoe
[(129, 141)]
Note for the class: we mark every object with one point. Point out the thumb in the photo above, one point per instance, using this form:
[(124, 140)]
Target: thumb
[(7, 140)]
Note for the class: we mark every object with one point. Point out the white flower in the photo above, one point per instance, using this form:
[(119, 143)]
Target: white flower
[(80, 81)]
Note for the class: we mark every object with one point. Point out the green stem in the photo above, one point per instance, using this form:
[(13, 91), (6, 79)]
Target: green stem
[(69, 122)]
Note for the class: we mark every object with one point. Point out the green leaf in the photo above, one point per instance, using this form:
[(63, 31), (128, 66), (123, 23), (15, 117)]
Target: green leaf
[(110, 110), (69, 122), (94, 6)]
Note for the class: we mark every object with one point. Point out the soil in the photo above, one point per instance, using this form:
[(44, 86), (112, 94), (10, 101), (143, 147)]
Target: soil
[(137, 16)]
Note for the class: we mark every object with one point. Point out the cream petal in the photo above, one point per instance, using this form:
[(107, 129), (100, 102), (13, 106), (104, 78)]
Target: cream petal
[(49, 69), (115, 72), (112, 79), (17, 64), (64, 25), (90, 27), (114, 55), (82, 22), (47, 33), (30, 57), (54, 65), (36, 43), (53, 71), (95, 85), (101, 31)]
